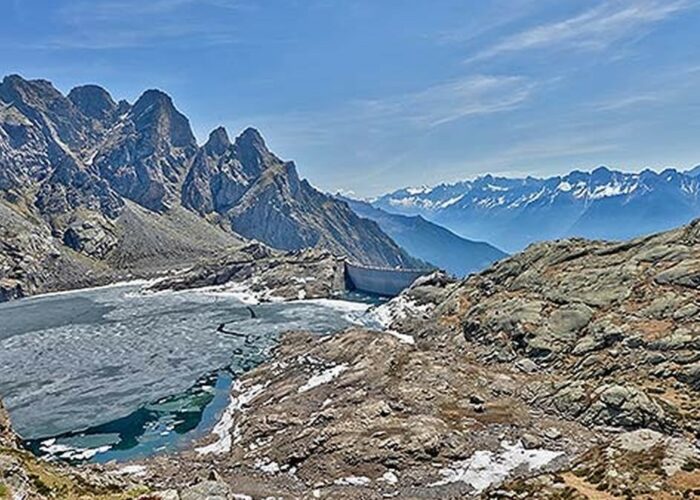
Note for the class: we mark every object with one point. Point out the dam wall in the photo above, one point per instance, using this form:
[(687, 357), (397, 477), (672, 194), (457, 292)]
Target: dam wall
[(381, 281)]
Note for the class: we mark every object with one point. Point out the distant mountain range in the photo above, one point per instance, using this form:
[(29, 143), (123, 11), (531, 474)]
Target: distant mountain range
[(91, 189), (429, 241), (512, 213)]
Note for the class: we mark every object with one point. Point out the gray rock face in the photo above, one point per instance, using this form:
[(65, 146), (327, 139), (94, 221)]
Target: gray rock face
[(95, 102), (145, 156), (69, 187), (218, 179), (43, 137), (207, 490), (47, 108), (624, 406), (137, 168), (263, 198), (90, 237), (620, 333)]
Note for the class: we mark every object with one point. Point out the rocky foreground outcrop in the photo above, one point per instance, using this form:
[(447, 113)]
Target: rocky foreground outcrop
[(568, 371)]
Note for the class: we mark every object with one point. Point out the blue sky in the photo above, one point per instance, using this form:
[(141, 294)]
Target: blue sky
[(372, 95)]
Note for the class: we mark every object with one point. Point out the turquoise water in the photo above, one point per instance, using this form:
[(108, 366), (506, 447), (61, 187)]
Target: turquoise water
[(113, 374)]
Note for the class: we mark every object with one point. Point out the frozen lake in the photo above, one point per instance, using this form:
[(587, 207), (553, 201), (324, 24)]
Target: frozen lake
[(113, 374)]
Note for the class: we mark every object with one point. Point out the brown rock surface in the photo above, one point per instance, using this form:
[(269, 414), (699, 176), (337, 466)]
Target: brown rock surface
[(266, 274), (567, 371), (586, 352)]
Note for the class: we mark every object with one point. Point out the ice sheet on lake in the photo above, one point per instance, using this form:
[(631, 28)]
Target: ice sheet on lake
[(137, 349)]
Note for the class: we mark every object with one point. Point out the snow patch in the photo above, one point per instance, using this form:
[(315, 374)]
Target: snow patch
[(609, 190), (267, 466), (451, 201), (224, 426), (418, 190), (564, 186), (389, 477), (403, 337), (353, 481), (398, 308), (323, 378), (485, 468)]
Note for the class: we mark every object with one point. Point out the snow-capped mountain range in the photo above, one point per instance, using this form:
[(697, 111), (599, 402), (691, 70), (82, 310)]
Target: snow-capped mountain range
[(511, 213)]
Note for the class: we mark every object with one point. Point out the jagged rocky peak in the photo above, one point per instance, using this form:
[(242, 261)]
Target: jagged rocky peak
[(251, 137), (251, 142), (218, 178), (146, 157), (218, 142), (16, 88), (253, 153), (155, 114), (93, 101), (44, 105)]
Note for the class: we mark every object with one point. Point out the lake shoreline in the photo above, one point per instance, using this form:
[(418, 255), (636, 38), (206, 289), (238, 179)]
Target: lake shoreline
[(116, 319)]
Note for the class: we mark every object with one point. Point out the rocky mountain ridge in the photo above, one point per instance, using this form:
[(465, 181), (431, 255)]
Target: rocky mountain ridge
[(512, 213), (108, 183), (429, 241)]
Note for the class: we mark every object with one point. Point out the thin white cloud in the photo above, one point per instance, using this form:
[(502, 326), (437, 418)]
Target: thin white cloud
[(424, 109), (451, 101), (630, 101), (117, 24), (594, 29), (498, 15), (668, 86)]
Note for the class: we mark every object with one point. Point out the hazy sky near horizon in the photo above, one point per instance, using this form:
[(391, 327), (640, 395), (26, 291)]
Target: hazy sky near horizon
[(370, 95)]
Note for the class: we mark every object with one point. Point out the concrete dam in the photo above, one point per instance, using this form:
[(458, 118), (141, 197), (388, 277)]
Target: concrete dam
[(381, 281)]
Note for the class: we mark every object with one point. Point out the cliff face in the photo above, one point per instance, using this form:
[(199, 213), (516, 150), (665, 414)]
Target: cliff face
[(262, 197), (99, 181)]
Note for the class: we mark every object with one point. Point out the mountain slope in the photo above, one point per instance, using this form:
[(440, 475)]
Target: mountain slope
[(431, 242), (512, 213), (261, 196), (118, 188)]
